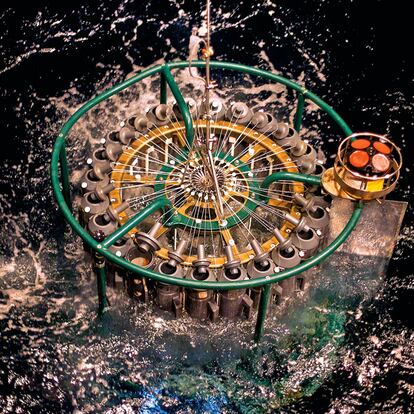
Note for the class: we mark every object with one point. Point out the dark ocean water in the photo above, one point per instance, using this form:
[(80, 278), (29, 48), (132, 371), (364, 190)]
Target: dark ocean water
[(55, 356)]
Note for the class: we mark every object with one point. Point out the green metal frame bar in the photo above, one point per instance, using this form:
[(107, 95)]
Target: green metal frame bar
[(185, 112), (64, 203), (285, 175), (101, 288), (262, 312), (163, 89), (65, 177), (300, 106), (158, 204)]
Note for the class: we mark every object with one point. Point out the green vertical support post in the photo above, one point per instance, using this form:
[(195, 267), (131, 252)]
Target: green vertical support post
[(101, 285), (64, 171), (300, 105), (182, 105), (163, 88), (261, 313), (99, 266)]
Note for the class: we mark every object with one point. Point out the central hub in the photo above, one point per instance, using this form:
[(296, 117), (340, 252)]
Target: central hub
[(201, 181)]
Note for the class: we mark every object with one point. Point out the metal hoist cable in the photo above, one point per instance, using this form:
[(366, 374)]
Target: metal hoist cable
[(207, 143)]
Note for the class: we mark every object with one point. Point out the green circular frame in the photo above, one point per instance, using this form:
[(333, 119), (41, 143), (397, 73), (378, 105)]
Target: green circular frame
[(63, 197)]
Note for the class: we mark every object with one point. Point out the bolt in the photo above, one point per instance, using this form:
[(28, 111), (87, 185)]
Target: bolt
[(113, 213), (102, 192), (148, 241), (154, 229), (141, 123), (229, 253), (126, 135), (260, 257), (201, 263), (307, 204), (175, 256), (284, 243), (232, 265), (257, 248), (299, 224)]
